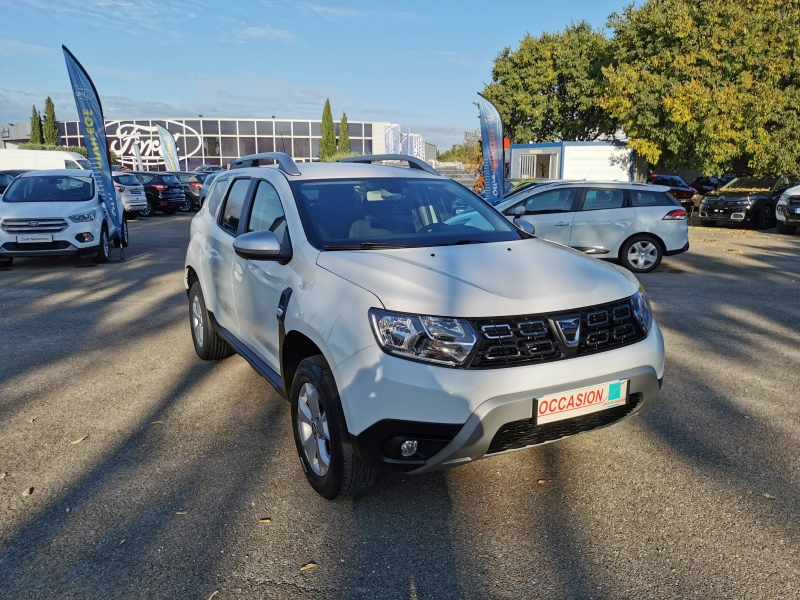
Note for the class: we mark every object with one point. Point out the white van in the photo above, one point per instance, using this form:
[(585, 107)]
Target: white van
[(37, 160)]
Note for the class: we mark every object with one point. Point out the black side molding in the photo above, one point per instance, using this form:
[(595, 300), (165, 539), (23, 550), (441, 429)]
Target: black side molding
[(259, 365)]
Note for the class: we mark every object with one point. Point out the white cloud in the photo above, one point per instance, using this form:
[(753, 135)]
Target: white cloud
[(265, 33), (10, 48), (334, 13)]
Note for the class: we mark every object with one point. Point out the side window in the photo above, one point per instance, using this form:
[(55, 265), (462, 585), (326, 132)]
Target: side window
[(232, 211), (782, 184), (647, 198), (603, 199), (215, 194), (267, 213), (71, 164), (554, 201)]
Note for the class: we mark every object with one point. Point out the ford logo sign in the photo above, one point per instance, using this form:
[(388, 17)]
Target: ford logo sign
[(33, 223)]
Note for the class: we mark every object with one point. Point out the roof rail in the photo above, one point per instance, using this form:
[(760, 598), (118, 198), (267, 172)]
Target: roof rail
[(285, 162), (413, 161)]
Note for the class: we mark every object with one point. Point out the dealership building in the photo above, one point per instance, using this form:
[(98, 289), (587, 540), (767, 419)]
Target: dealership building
[(203, 141)]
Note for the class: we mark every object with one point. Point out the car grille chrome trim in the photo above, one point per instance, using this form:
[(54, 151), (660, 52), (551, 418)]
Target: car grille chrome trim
[(527, 339), (35, 225)]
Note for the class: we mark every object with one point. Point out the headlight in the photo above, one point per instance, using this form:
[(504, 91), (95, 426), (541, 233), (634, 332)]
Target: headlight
[(784, 199), (641, 309), (440, 340), (82, 218)]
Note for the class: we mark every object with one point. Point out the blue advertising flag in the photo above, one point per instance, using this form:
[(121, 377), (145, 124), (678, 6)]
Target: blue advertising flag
[(90, 115), (492, 143), (169, 151)]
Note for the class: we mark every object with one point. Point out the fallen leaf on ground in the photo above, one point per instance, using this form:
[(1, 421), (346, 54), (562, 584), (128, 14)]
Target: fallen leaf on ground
[(27, 491), (213, 594), (733, 250), (78, 441), (265, 520), (156, 422), (182, 512), (309, 566), (706, 240), (3, 475), (33, 419), (121, 542), (770, 496), (540, 481)]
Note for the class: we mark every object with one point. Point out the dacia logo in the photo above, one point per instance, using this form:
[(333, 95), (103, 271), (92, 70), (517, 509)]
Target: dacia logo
[(569, 330)]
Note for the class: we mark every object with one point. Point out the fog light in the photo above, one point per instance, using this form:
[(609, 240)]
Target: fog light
[(408, 448), (84, 237)]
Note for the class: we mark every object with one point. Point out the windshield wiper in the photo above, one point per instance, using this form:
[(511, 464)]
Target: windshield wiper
[(461, 242), (363, 246)]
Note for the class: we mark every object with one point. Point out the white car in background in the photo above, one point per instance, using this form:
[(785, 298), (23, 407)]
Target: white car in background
[(131, 191), (56, 213), (636, 224)]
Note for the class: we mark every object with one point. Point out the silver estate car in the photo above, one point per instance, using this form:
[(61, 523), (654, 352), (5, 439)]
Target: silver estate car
[(633, 223)]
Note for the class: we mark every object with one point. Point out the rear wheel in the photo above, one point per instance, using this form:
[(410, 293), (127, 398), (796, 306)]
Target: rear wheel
[(187, 206), (207, 343), (321, 436), (641, 254), (707, 222), (786, 229), (102, 251), (148, 210)]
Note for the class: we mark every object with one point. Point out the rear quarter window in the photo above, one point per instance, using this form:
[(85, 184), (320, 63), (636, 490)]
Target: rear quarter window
[(216, 193), (644, 199), (144, 178)]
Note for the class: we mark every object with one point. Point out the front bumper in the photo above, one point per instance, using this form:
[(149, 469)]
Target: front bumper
[(68, 242), (736, 214), (787, 214), (456, 414)]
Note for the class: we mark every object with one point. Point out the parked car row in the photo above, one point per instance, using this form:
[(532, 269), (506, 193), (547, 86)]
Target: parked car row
[(750, 200)]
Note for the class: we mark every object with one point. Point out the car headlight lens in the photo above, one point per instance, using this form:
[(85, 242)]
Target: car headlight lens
[(641, 309), (82, 218), (784, 199), (440, 340)]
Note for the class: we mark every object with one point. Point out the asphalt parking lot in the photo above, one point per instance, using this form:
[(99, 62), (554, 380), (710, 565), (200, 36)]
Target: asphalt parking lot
[(155, 475)]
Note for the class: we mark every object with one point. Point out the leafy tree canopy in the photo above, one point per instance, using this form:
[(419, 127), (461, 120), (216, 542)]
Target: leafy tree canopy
[(466, 152), (709, 84), (549, 88)]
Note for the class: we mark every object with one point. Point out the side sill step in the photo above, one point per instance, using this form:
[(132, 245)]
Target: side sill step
[(259, 365)]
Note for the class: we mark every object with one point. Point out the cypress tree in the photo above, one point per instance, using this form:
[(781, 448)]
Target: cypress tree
[(50, 124), (327, 146), (344, 136), (36, 127)]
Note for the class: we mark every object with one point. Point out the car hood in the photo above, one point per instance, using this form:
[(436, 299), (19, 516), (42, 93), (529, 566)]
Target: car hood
[(21, 210), (736, 194), (479, 280)]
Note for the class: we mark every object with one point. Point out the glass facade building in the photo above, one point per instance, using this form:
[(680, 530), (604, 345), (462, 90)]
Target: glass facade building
[(204, 141)]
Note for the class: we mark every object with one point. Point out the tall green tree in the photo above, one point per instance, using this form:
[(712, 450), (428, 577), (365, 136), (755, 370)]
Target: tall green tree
[(549, 88), (709, 84), (344, 136), (50, 127), (36, 127), (327, 145)]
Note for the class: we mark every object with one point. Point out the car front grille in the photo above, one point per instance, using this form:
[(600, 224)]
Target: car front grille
[(794, 200), (529, 339), (15, 247), (40, 225), (519, 434)]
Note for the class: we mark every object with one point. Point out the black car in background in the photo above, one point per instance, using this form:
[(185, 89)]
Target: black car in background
[(192, 182), (164, 192), (748, 200)]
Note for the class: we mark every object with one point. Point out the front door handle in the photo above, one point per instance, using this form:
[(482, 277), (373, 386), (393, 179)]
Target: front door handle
[(237, 271), (562, 224)]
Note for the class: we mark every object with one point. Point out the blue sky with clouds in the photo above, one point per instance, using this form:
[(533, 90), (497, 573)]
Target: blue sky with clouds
[(417, 63)]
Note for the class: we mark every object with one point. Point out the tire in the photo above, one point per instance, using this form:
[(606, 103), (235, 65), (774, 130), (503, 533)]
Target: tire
[(207, 343), (6, 262), (169, 210), (764, 217), (707, 222), (188, 204), (149, 211), (102, 252), (786, 229), (641, 254), (314, 391), (124, 241)]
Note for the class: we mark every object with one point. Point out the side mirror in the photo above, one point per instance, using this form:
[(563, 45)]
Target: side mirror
[(525, 226), (258, 245), (516, 211)]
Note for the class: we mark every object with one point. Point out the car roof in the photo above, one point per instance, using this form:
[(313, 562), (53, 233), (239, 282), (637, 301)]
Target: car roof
[(619, 185), (344, 170), (49, 172)]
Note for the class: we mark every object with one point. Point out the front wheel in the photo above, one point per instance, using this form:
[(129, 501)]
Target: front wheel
[(641, 254), (764, 217), (786, 229), (321, 436), (148, 210), (102, 251), (207, 343)]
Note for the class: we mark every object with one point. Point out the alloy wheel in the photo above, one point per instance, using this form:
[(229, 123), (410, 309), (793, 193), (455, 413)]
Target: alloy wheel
[(643, 254), (312, 425), (766, 218), (197, 321), (104, 242)]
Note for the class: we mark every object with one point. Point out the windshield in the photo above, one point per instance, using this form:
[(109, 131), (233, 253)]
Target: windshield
[(750, 183), (170, 180), (671, 181), (405, 212), (126, 179), (49, 188)]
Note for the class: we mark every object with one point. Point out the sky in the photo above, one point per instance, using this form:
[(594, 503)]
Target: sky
[(417, 63)]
